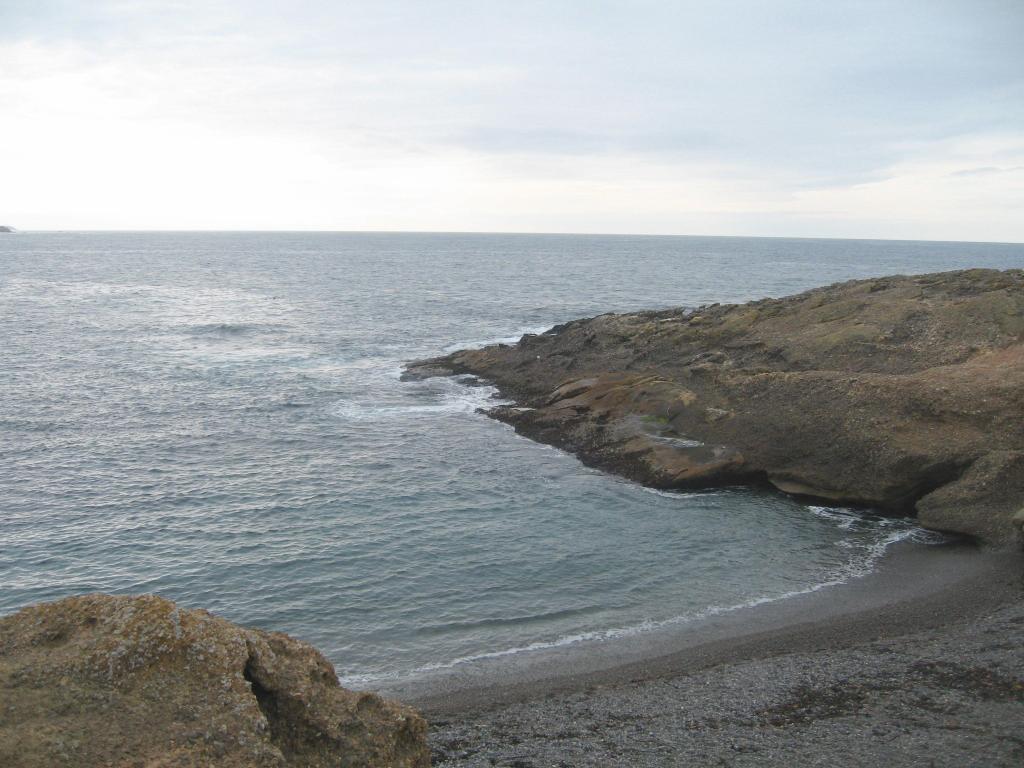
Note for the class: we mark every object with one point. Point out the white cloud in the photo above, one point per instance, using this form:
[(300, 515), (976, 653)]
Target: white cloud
[(855, 120)]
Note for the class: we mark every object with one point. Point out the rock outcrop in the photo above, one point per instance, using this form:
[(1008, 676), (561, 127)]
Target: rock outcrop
[(903, 393), (137, 681)]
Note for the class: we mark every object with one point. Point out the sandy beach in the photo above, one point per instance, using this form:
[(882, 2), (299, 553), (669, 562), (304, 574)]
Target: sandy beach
[(918, 663)]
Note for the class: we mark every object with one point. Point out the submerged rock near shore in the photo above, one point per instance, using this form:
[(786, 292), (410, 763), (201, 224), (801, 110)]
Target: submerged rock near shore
[(137, 681), (903, 393)]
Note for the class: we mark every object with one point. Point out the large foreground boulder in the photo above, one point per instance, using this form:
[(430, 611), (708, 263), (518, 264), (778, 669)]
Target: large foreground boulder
[(904, 393), (137, 681)]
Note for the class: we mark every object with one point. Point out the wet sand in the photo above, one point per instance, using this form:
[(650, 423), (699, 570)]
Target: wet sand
[(918, 663)]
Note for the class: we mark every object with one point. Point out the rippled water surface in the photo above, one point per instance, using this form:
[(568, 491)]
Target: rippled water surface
[(218, 418)]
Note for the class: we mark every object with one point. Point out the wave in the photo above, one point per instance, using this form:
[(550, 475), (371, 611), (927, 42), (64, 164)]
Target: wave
[(853, 569), (845, 518), (533, 618), (849, 519), (230, 329), (354, 411), (679, 495), (480, 344), (464, 400)]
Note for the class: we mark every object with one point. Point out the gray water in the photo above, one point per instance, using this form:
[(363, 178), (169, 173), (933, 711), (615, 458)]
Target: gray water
[(218, 418)]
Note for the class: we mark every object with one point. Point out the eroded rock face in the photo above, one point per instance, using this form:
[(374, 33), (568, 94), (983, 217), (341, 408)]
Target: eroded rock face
[(899, 392), (137, 681)]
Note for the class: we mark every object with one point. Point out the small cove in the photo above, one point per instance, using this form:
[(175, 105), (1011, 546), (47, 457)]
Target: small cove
[(218, 418)]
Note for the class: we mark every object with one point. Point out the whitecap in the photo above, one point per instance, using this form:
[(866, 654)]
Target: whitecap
[(679, 495), (447, 397), (843, 517), (534, 330)]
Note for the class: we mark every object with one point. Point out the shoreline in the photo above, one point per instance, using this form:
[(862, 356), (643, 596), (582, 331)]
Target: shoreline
[(914, 587), (937, 681), (842, 393)]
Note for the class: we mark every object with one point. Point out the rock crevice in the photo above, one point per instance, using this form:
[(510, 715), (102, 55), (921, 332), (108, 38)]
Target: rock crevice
[(100, 680)]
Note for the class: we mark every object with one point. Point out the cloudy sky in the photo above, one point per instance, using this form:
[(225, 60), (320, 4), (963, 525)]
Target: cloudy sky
[(833, 119)]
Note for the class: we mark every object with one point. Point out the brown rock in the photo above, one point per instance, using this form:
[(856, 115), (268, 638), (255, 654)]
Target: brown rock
[(900, 392), (137, 681)]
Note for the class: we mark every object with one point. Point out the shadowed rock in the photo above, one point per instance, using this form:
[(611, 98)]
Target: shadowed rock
[(904, 393), (137, 681)]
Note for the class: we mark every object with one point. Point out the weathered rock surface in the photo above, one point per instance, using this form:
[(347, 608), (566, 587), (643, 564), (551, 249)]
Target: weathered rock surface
[(905, 393), (137, 681)]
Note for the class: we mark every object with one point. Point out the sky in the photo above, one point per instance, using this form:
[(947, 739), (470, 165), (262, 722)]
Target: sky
[(847, 118)]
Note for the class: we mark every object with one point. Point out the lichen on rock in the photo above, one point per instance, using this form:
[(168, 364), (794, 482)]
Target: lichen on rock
[(99, 680)]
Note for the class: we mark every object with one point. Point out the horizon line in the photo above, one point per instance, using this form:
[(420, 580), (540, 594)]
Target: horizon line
[(496, 232)]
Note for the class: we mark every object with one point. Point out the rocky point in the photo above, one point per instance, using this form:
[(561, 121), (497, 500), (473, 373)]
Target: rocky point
[(904, 393)]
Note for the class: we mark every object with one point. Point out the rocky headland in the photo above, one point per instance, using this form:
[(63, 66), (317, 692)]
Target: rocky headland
[(138, 681), (903, 393), (7, 230)]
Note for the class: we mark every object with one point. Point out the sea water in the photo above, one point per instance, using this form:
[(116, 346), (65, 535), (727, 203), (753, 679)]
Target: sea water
[(218, 418)]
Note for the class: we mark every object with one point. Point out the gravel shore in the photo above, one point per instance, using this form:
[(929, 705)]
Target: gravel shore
[(948, 693)]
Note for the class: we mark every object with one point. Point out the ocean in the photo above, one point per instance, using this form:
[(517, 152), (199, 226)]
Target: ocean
[(218, 418)]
